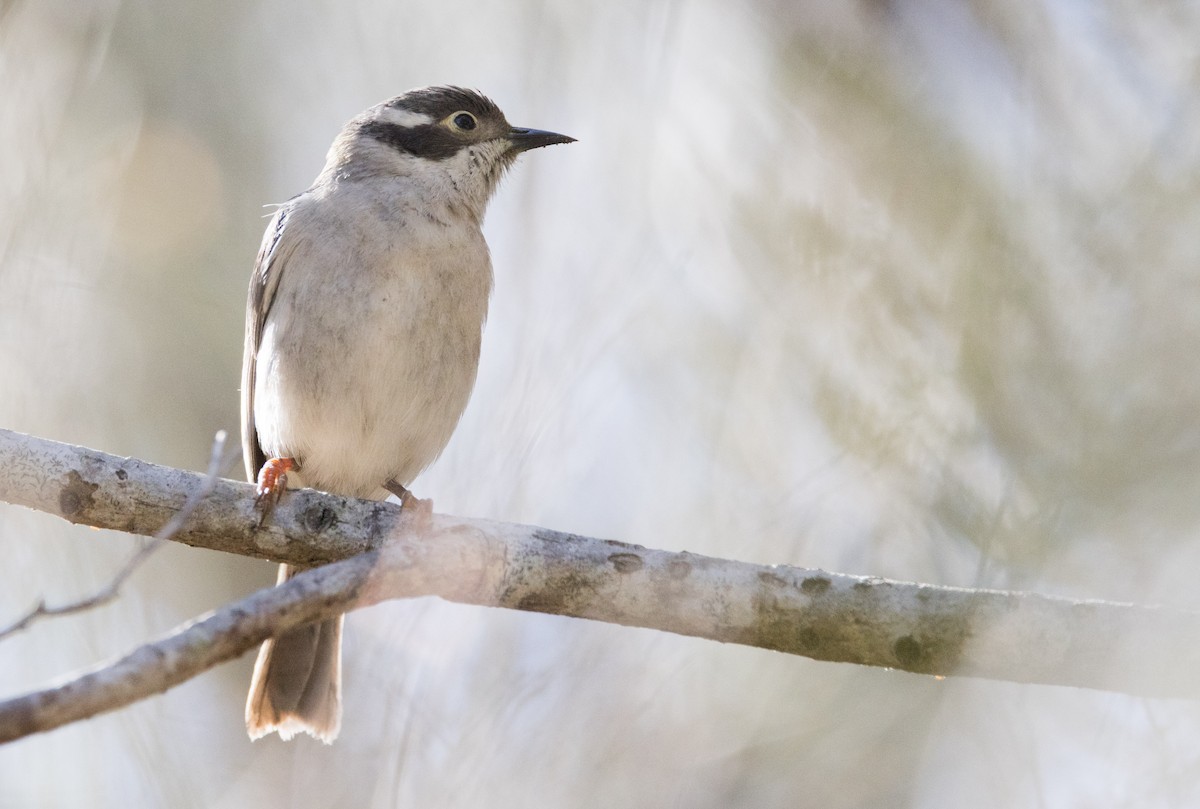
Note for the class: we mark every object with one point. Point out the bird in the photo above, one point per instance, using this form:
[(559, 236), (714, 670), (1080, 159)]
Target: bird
[(363, 328)]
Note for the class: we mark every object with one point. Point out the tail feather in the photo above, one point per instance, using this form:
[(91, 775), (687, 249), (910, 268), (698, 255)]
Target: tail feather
[(297, 682)]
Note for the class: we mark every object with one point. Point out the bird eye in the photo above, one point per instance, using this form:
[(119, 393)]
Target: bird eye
[(464, 121)]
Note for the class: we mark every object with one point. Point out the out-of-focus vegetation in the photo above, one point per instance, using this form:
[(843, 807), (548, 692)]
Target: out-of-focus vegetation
[(897, 288)]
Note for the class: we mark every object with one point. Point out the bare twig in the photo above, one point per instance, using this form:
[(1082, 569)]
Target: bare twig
[(110, 591)]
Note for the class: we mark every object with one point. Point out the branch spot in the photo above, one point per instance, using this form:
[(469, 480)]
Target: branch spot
[(76, 497), (679, 569), (815, 585), (626, 562), (771, 579), (568, 595), (908, 650), (317, 518)]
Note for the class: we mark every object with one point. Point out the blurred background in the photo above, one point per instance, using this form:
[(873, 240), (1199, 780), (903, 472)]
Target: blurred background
[(902, 288)]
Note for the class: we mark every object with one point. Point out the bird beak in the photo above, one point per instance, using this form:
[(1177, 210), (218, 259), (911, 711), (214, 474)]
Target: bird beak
[(525, 139)]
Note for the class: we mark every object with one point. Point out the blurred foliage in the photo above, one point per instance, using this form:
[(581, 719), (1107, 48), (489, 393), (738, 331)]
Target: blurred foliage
[(895, 288)]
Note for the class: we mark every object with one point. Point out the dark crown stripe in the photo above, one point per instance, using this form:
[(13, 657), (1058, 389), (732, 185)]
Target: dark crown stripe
[(438, 102)]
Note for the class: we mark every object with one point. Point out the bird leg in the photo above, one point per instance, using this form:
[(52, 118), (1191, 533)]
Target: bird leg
[(398, 490), (272, 481), (422, 509)]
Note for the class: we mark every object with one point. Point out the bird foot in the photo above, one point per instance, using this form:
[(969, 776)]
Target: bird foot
[(272, 482), (421, 510)]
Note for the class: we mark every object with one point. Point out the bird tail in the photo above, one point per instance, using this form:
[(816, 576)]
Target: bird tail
[(297, 681)]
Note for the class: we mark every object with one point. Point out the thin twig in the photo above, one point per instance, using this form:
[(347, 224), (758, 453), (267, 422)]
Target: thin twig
[(216, 462)]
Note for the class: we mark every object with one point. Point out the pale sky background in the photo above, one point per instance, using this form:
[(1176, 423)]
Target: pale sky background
[(908, 289)]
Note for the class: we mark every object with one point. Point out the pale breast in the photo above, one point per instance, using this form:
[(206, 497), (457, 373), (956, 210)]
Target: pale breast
[(371, 346)]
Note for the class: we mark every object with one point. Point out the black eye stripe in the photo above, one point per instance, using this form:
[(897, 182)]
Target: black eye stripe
[(430, 141)]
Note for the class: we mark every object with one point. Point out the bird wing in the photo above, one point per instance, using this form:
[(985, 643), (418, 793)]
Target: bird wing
[(268, 267)]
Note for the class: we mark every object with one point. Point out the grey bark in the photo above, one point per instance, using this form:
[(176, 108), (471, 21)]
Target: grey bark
[(382, 553)]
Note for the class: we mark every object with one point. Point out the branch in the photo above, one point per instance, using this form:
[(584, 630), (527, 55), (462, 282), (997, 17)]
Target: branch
[(110, 591), (925, 629), (188, 651)]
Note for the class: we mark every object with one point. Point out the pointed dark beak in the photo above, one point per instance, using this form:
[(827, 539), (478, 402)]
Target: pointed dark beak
[(525, 139)]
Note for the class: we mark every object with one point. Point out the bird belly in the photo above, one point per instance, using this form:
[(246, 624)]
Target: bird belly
[(371, 389)]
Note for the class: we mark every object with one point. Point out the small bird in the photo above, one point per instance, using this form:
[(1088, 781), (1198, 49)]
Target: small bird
[(363, 326)]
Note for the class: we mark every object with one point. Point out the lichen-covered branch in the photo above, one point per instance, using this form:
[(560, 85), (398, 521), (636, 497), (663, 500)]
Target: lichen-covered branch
[(919, 628)]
